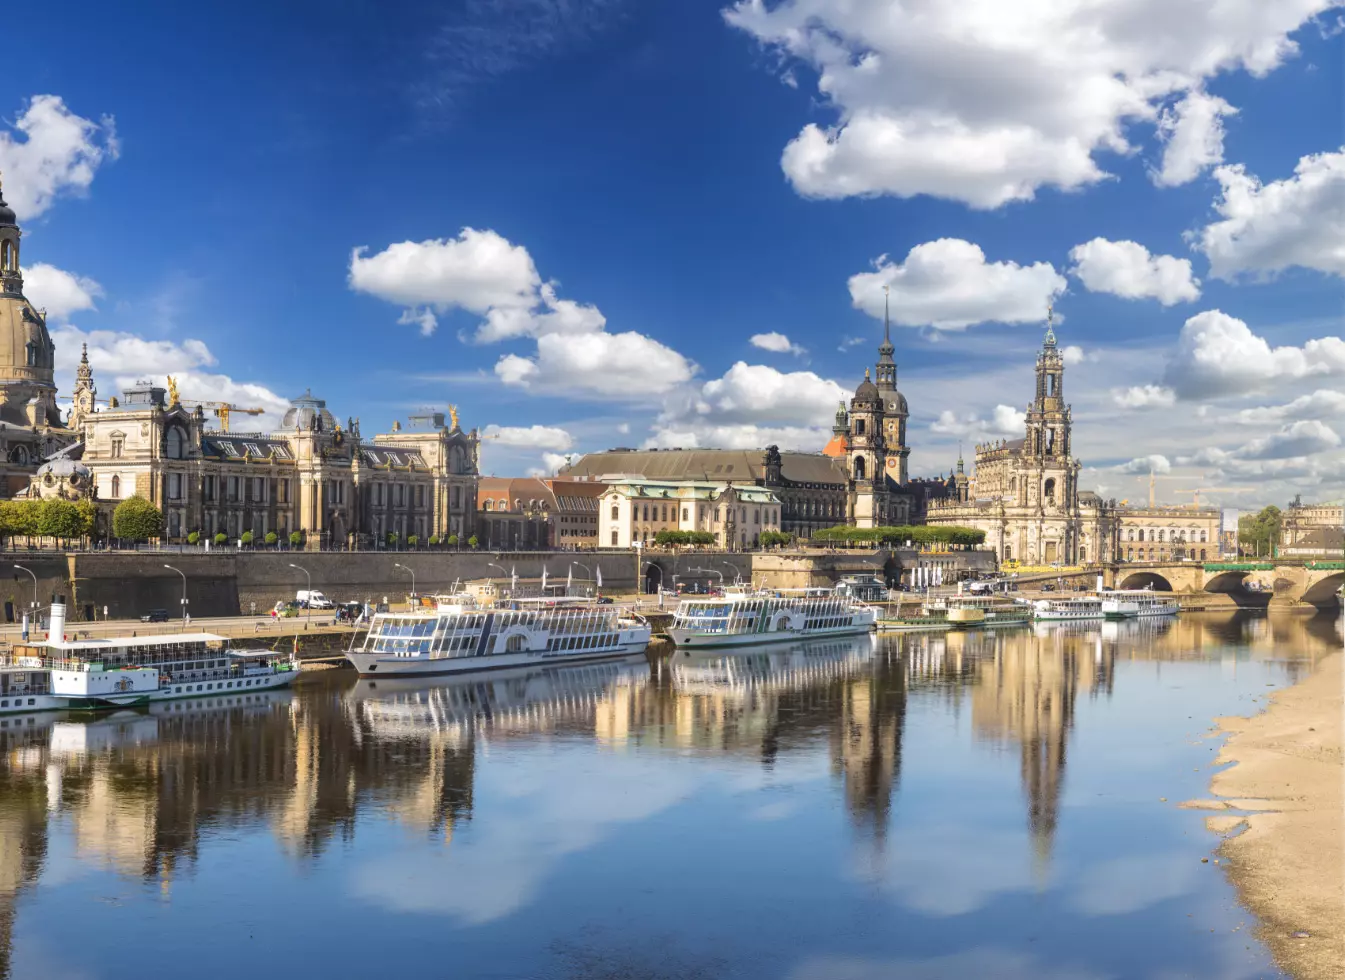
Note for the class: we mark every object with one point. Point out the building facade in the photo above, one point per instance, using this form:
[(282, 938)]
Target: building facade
[(1167, 533), (1313, 530), (1025, 492), (633, 510), (312, 475), (534, 513)]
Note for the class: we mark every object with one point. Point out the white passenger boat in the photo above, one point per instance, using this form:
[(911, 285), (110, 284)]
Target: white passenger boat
[(743, 617), (1132, 603), (1072, 608), (515, 633), (89, 675), (963, 611)]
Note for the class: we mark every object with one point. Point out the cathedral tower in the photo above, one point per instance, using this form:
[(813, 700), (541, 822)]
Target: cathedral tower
[(895, 412)]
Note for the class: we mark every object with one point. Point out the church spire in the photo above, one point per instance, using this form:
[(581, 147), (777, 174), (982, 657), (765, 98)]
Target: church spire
[(887, 367), (1050, 326)]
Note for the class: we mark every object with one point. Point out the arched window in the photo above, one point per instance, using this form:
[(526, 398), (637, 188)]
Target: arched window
[(1202, 554), (859, 467), (487, 505), (615, 512), (1013, 484), (116, 487), (646, 512), (173, 444), (1160, 535), (859, 427), (1049, 491)]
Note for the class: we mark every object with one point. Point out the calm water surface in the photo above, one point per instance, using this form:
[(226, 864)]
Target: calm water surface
[(942, 805)]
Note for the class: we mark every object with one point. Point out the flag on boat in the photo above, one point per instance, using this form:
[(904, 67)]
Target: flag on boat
[(513, 579), (569, 576), (543, 580), (599, 567)]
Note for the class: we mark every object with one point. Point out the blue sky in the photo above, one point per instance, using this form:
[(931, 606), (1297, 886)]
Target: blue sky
[(651, 185)]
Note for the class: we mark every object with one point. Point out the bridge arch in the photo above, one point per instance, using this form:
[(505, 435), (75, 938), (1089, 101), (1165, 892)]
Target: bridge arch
[(1227, 582), (1146, 580), (1324, 592)]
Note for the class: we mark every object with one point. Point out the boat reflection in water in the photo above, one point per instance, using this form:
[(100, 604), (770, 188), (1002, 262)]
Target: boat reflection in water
[(778, 667), (535, 698)]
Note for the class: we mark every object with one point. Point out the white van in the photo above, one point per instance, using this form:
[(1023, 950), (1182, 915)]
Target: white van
[(313, 599)]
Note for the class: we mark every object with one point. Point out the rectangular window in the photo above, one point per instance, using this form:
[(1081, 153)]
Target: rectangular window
[(117, 445)]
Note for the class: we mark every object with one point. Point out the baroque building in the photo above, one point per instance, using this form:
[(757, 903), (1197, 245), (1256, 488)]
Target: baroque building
[(311, 475), (1025, 492), (30, 422)]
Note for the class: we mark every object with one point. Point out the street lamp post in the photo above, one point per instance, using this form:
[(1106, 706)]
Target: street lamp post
[(491, 564), (708, 571), (23, 568), (413, 575), (184, 593), (308, 603), (585, 568)]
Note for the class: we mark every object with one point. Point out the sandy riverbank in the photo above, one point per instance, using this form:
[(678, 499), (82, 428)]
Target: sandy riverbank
[(1289, 862)]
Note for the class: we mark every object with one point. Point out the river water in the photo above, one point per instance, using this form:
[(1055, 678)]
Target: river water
[(980, 804)]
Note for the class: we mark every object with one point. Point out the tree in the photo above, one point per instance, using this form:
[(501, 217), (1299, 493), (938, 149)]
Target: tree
[(296, 539), (453, 540), (59, 519), (412, 540), (1260, 533), (194, 537), (247, 539), (772, 538), (272, 538), (472, 542), (136, 519), (220, 537), (392, 539), (434, 540)]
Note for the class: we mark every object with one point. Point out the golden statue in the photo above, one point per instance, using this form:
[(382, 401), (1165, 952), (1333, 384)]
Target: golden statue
[(396, 425), (172, 392), (453, 415)]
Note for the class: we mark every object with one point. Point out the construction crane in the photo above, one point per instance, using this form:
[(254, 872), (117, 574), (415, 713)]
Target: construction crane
[(222, 411), (1153, 478), (1199, 490)]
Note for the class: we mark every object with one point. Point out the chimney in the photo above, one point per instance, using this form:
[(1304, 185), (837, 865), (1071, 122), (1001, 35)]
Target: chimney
[(56, 624)]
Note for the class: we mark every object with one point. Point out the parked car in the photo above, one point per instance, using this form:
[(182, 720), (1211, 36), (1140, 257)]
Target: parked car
[(155, 616), (604, 600), (285, 609)]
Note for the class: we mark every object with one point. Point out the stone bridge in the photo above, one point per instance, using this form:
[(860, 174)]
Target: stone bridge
[(1317, 583)]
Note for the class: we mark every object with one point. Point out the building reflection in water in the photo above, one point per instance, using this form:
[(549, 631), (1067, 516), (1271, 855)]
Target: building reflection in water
[(137, 791)]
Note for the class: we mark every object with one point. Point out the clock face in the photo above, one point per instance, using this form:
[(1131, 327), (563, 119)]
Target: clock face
[(892, 464)]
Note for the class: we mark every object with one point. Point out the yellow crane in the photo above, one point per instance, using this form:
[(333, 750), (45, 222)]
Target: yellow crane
[(1152, 479), (222, 411), (1199, 490)]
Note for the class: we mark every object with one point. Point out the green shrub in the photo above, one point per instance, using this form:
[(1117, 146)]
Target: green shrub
[(296, 539), (194, 537), (472, 542), (221, 537), (271, 537), (246, 539)]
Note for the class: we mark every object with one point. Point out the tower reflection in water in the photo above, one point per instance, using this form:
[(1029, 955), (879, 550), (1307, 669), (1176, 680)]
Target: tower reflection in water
[(136, 792)]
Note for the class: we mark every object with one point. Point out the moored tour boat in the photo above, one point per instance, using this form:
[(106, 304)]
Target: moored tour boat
[(1070, 608), (515, 633), (743, 617), (1129, 604), (99, 674)]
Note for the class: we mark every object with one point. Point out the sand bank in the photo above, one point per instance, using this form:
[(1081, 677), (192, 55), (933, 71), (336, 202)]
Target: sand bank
[(1289, 862)]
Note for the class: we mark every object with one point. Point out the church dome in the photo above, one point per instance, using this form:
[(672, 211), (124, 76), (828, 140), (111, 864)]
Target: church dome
[(867, 390), (896, 404), (305, 410), (7, 216)]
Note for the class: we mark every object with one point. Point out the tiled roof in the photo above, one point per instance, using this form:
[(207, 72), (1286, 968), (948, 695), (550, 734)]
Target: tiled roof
[(391, 457), (706, 464)]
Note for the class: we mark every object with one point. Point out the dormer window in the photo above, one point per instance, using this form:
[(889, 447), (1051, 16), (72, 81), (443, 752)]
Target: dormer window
[(253, 449), (32, 354)]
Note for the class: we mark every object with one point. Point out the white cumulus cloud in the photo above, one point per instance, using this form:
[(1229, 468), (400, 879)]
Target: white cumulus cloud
[(1005, 420), (120, 359), (1146, 464), (1320, 404), (776, 342), (1296, 440), (476, 271), (949, 285), (1144, 396), (1072, 354), (1192, 132), (986, 102), (1266, 228), (1218, 355), (58, 292), (530, 436), (604, 366), (51, 151), (1126, 269)]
